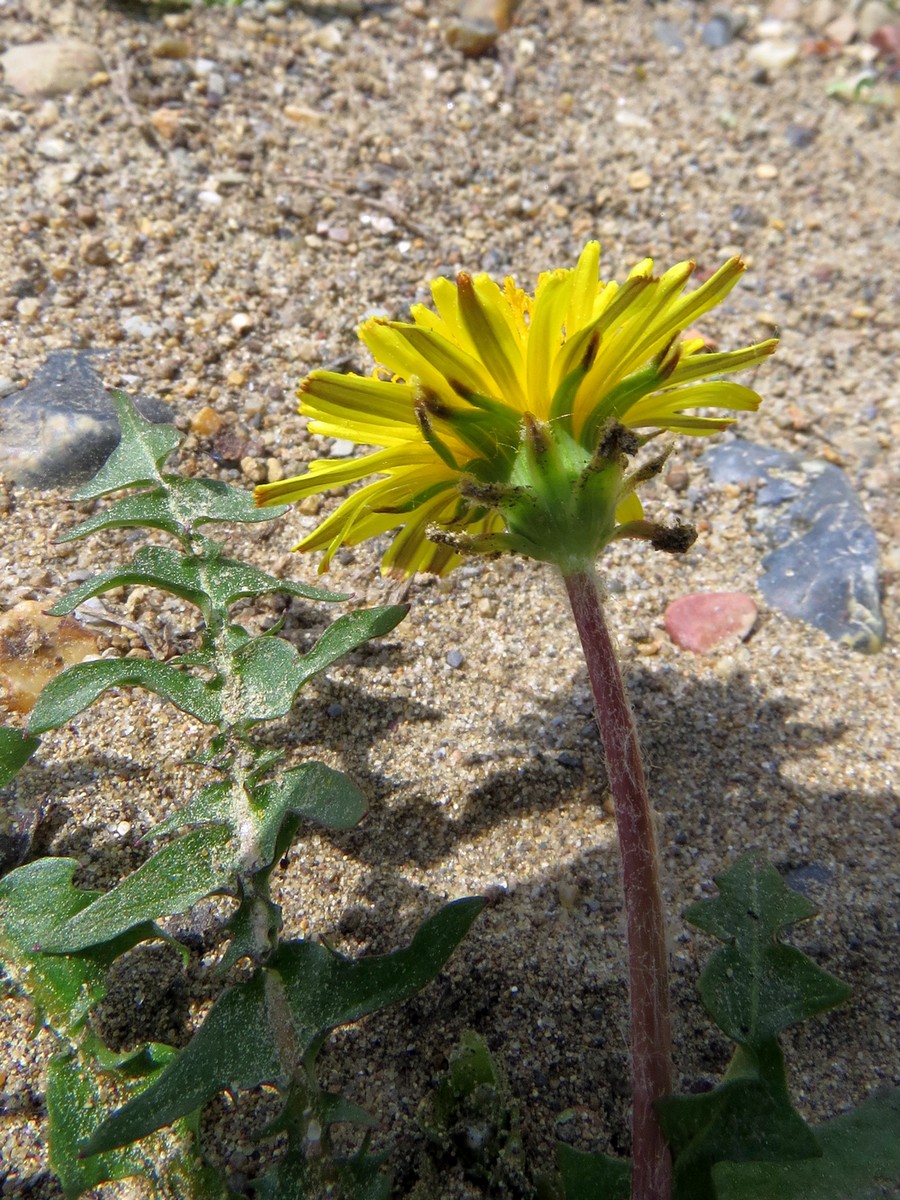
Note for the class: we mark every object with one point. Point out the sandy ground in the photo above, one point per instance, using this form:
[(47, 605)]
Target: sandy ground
[(351, 159)]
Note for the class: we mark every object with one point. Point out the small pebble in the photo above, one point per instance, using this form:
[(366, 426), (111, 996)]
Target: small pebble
[(668, 33), (704, 620), (718, 31), (454, 659), (167, 122), (639, 180), (341, 448), (800, 137), (566, 758), (678, 478), (206, 422), (335, 710), (772, 56)]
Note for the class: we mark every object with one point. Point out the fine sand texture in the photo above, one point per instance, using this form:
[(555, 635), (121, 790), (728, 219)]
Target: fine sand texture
[(217, 211)]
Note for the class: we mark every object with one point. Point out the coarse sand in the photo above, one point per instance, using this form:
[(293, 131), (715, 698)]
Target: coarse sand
[(218, 212)]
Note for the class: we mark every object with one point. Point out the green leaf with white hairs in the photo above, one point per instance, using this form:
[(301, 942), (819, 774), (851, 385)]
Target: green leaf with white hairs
[(860, 1161), (260, 1031), (207, 581), (176, 877), (136, 461), (592, 1176), (76, 688), (34, 901), (177, 506), (312, 791), (349, 632)]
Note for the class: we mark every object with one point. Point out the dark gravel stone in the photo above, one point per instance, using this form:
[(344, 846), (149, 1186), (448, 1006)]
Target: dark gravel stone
[(61, 427), (824, 563)]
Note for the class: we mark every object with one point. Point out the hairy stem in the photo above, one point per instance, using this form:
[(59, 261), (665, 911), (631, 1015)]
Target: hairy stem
[(651, 1038)]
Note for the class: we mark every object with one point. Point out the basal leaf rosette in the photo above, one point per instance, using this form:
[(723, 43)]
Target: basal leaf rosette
[(506, 421)]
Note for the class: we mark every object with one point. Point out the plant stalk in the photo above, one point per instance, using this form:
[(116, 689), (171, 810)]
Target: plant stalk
[(648, 976)]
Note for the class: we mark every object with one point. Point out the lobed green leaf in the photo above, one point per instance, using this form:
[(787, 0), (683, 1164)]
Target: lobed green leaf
[(587, 1176), (756, 986), (34, 901), (176, 877), (76, 688), (348, 633), (259, 1032), (312, 791), (177, 505), (142, 449), (749, 1117), (74, 1097), (860, 1161), (196, 578), (297, 1177), (266, 673)]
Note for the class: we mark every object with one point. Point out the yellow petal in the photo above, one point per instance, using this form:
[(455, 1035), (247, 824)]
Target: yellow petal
[(583, 289), (630, 509), (545, 337), (486, 316), (696, 366)]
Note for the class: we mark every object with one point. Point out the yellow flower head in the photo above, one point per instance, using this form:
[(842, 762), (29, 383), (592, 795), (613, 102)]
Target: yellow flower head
[(506, 421)]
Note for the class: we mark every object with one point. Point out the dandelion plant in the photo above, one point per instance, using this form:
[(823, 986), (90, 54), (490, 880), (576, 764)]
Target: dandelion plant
[(510, 423)]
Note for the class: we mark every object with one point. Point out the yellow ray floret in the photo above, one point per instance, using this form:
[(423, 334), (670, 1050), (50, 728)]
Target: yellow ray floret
[(493, 412)]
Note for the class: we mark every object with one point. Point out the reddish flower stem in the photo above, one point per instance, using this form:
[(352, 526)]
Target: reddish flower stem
[(651, 1036)]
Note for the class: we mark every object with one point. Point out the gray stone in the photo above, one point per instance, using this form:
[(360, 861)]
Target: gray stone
[(823, 566), (718, 31), (668, 33), (60, 429), (50, 68)]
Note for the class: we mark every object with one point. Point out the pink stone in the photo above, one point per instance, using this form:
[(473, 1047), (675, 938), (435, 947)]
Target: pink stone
[(706, 619)]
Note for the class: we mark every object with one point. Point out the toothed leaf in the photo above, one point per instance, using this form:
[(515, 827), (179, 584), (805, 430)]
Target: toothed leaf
[(860, 1161), (257, 1032), (348, 633), (34, 901), (75, 689), (176, 877), (588, 1176), (756, 986), (142, 449)]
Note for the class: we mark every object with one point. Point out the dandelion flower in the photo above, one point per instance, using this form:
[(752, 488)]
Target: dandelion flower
[(506, 421)]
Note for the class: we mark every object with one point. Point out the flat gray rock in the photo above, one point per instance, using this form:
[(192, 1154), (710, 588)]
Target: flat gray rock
[(60, 428), (824, 563)]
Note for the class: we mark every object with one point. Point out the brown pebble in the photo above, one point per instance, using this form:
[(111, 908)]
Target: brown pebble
[(94, 252), (310, 505), (677, 478), (253, 470), (172, 48), (207, 422), (167, 122)]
